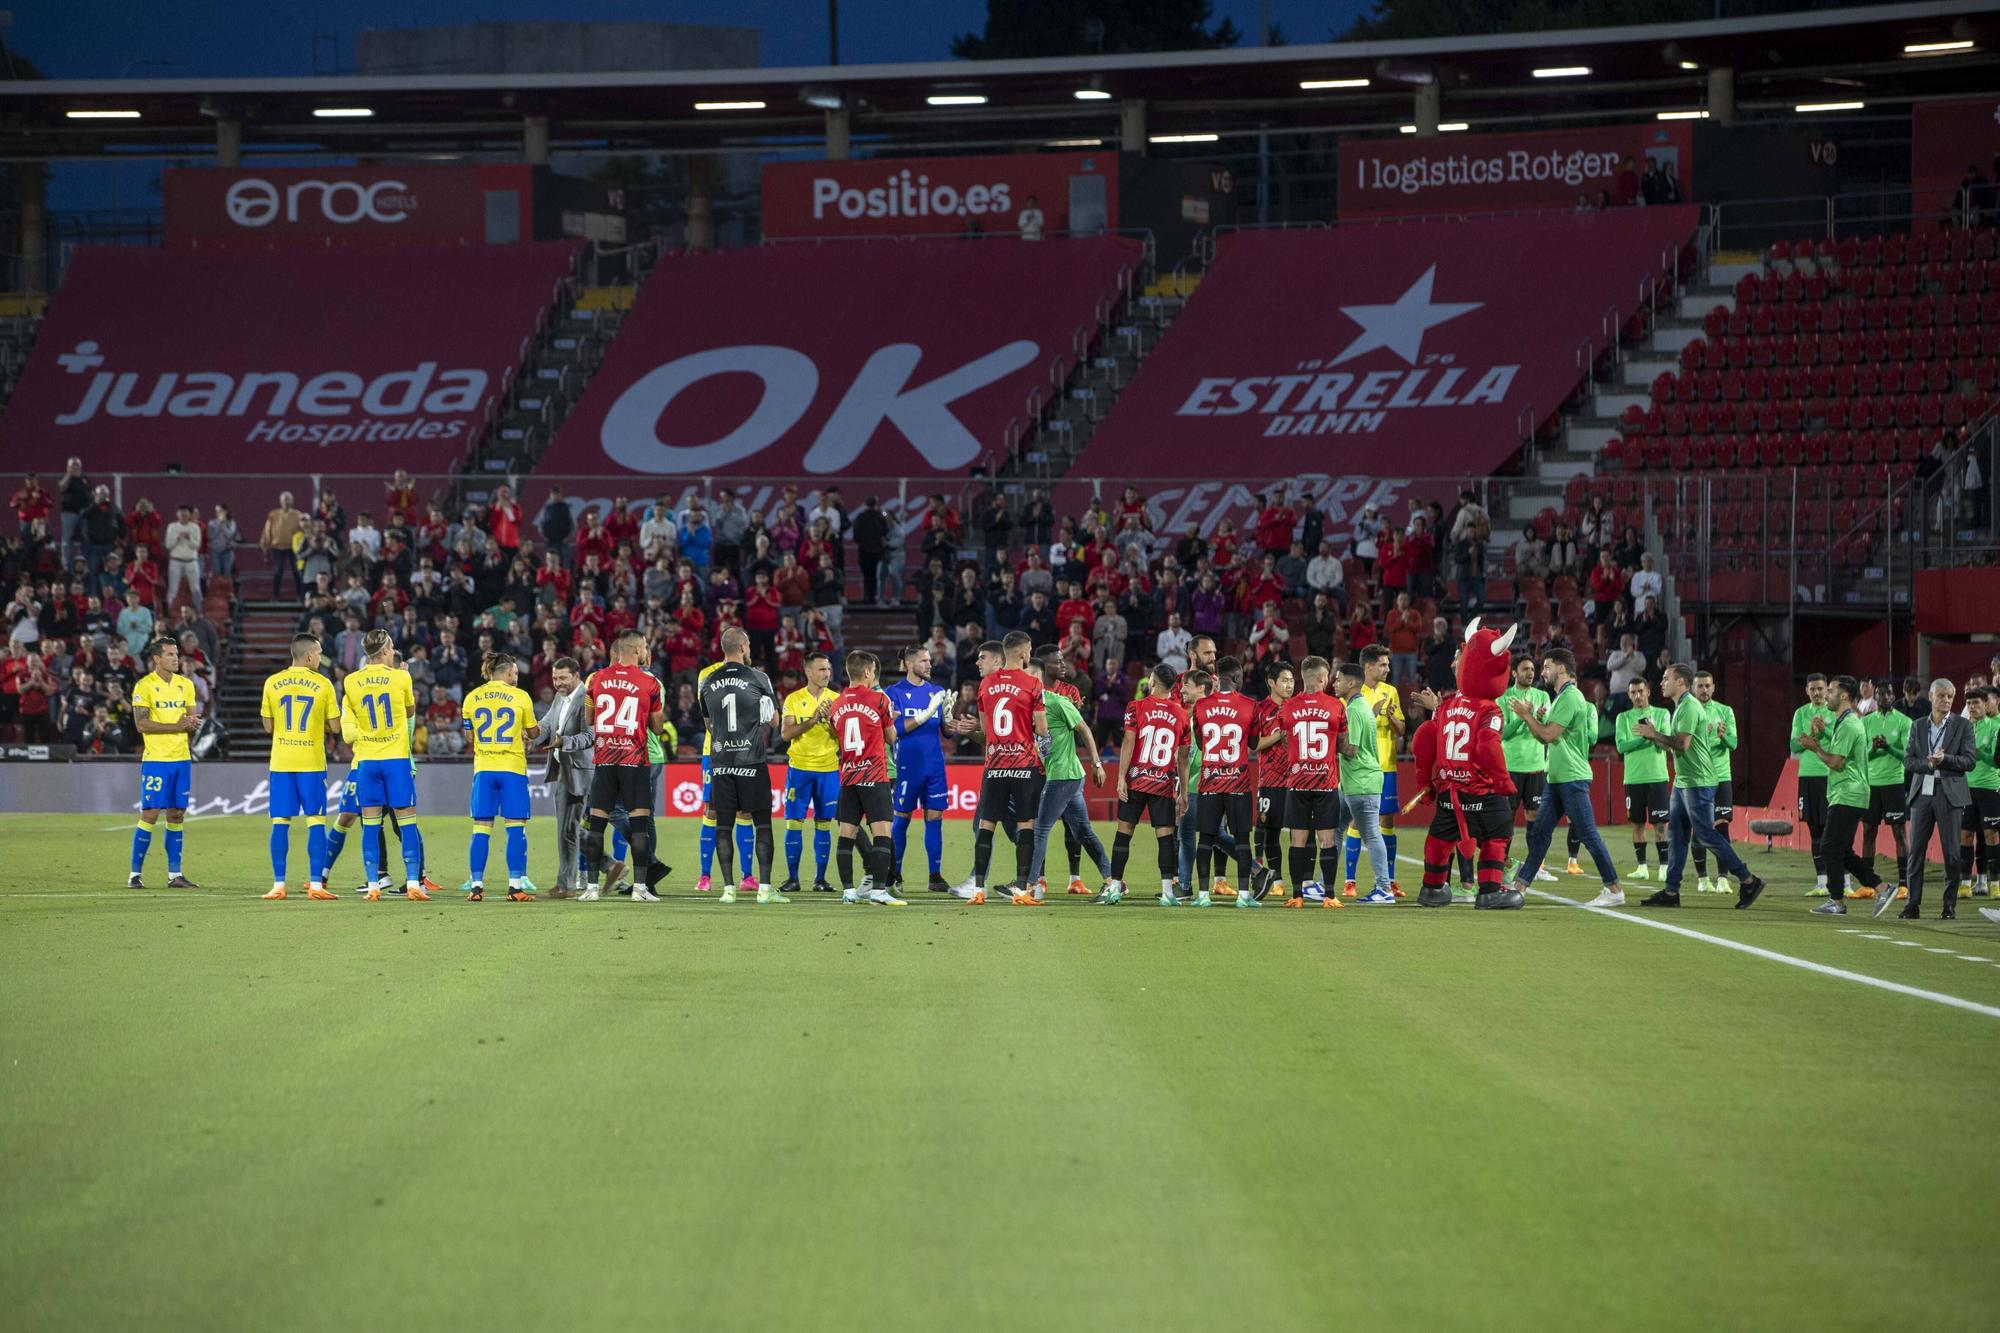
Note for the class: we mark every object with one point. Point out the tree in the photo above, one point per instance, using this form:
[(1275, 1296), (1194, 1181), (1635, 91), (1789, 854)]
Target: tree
[(1022, 29), (1395, 19)]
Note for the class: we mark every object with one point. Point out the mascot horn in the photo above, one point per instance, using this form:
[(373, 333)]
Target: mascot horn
[(1458, 754)]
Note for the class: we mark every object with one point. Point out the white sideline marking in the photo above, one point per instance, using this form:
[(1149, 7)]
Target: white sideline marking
[(1896, 987)]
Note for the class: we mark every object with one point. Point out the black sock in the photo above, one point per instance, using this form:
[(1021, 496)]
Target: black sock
[(1902, 850), (1639, 853), (1170, 853), (1204, 859), (1024, 854), (764, 850), (1466, 875), (1700, 853), (1330, 866), (1075, 850), (1661, 848), (1302, 867), (1868, 834), (640, 835), (843, 857), (982, 854), (1268, 845), (1121, 847), (593, 849), (878, 857), (1818, 855), (1244, 863), (1575, 844)]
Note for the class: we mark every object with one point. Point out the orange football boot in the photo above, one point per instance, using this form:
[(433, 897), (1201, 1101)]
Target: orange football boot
[(275, 894), (318, 894)]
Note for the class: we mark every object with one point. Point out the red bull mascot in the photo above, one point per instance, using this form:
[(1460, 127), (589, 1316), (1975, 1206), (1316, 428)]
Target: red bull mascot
[(1463, 770)]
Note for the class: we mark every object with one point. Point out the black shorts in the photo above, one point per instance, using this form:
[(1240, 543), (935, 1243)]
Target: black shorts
[(867, 803), (1009, 795), (1216, 810), (1987, 804), (1648, 802), (1314, 811), (1812, 800), (739, 791), (1271, 805), (1158, 810), (1725, 801), (627, 786), (1529, 788), (1888, 803), (1486, 817)]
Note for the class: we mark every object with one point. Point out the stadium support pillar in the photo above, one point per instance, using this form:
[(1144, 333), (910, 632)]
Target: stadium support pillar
[(1132, 126), (31, 179), (228, 143), (1430, 106), (701, 201), (1722, 95), (839, 127), (535, 140)]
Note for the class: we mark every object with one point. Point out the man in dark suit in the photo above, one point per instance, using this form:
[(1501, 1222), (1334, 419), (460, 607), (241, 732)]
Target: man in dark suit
[(1939, 755)]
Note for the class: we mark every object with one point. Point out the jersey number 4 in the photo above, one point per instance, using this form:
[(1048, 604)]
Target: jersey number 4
[(623, 717)]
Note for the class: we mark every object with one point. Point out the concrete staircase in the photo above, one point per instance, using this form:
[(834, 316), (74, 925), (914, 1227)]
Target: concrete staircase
[(261, 644)]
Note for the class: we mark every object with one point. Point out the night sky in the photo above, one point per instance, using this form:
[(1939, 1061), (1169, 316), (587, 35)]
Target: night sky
[(119, 38)]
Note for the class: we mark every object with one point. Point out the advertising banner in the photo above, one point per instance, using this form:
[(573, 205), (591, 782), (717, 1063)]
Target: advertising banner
[(1480, 173), (276, 361), (892, 358), (331, 205), (1379, 351), (1948, 141), (948, 196)]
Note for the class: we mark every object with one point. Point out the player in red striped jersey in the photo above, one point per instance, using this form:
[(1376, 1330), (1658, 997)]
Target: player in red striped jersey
[(1274, 770), (861, 719), (1224, 727), (1013, 722), (1149, 782), (1316, 725)]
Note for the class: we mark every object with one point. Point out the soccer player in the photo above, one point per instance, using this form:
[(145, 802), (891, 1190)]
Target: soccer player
[(297, 712), (862, 719), (658, 745), (1648, 799), (1014, 721), (745, 830), (1361, 776), (1812, 772), (377, 704), (1274, 769), (1888, 729), (1843, 748), (623, 702), (1390, 724), (501, 719), (1057, 672), (1721, 740), (1224, 726), (1693, 814), (1061, 800), (163, 709), (1527, 757), (812, 772), (1980, 838), (1316, 724), (1150, 783), (739, 703), (920, 780), (1567, 725)]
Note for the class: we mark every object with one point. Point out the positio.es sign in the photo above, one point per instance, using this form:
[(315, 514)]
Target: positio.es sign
[(943, 195)]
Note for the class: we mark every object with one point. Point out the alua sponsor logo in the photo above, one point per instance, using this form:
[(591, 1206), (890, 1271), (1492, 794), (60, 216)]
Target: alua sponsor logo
[(336, 405), (1316, 399)]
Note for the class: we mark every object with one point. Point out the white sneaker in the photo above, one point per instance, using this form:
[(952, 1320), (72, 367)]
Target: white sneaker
[(1608, 898), (767, 894), (884, 898), (1991, 914), (1702, 885), (850, 897), (589, 895), (642, 894), (1638, 872), (1543, 876), (728, 894), (968, 888)]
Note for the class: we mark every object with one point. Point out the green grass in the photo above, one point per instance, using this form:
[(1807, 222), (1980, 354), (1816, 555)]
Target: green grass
[(220, 1113)]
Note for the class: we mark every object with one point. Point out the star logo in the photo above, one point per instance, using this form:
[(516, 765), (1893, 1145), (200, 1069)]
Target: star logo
[(1400, 327)]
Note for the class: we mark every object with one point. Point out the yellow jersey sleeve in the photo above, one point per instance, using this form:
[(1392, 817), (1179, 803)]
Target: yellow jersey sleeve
[(500, 716), (1385, 735), (164, 701), (297, 702), (812, 750), (700, 677)]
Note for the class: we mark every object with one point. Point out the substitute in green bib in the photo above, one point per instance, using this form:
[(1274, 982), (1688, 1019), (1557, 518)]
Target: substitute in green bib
[(1693, 817), (1721, 742), (1888, 729), (1843, 748), (1647, 799), (1980, 839), (1527, 758), (1811, 719)]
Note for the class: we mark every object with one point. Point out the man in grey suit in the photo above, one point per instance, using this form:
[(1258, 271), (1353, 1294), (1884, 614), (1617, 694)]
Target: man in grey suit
[(566, 735), (1940, 753)]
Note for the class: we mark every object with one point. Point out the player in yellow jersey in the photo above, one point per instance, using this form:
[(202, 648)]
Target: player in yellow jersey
[(812, 773), (1380, 693), (500, 718), (746, 831), (297, 713), (163, 708), (378, 702)]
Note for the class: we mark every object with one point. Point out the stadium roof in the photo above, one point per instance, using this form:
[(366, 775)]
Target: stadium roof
[(1781, 60)]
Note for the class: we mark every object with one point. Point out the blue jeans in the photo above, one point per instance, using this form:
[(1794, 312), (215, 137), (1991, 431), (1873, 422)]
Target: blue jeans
[(1694, 817), (1062, 803), (1362, 812), (1572, 799)]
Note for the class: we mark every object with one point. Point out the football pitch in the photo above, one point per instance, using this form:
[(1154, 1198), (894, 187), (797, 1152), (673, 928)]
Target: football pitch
[(224, 1113)]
